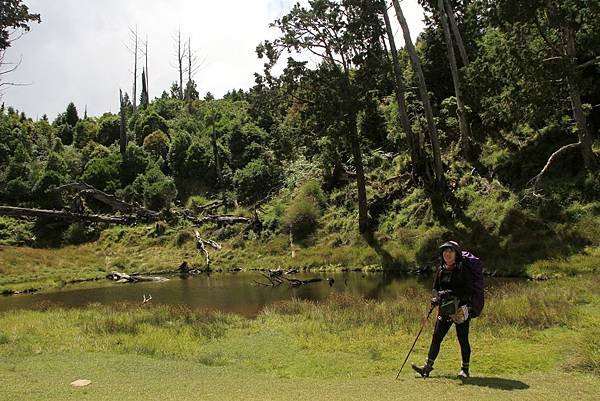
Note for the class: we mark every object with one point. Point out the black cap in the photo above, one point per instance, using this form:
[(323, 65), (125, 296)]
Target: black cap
[(453, 245)]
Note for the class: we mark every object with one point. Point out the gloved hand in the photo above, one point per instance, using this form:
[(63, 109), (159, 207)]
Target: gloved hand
[(461, 315), (435, 300)]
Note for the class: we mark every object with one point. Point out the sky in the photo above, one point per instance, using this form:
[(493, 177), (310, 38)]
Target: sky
[(78, 53)]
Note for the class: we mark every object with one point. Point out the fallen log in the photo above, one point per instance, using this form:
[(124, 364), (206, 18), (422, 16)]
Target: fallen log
[(133, 278), (110, 200), (207, 207), (22, 212)]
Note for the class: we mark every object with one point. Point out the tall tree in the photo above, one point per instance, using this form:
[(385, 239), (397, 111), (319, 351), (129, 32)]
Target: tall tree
[(569, 31), (180, 53), (461, 111), (415, 149), (71, 115), (122, 127), (144, 95), (345, 36), (416, 65), (134, 39)]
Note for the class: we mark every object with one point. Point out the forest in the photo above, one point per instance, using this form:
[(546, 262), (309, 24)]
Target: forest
[(276, 243), (484, 130)]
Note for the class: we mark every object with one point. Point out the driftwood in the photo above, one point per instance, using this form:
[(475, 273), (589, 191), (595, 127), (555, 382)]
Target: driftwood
[(110, 200), (200, 245), (133, 278), (277, 277), (23, 212)]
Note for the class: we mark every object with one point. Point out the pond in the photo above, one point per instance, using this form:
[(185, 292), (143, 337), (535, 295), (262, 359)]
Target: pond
[(228, 292)]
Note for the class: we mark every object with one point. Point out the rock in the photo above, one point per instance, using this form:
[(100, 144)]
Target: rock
[(81, 383)]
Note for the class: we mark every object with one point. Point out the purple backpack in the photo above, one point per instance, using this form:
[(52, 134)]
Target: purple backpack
[(476, 267)]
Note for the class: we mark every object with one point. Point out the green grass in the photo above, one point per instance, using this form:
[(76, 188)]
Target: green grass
[(534, 341)]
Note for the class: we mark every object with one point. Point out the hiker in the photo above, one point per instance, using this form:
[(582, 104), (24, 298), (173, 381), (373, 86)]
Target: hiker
[(458, 294)]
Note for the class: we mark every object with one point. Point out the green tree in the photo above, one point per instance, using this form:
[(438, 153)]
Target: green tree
[(15, 16), (158, 190), (346, 36), (108, 129), (71, 116)]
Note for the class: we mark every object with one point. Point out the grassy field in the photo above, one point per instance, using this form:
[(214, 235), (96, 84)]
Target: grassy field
[(536, 340)]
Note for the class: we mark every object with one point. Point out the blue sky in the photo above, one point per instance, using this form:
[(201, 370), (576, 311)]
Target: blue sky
[(78, 53)]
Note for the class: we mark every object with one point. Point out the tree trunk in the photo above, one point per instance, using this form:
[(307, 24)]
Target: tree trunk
[(180, 59), (416, 64), (135, 60), (459, 42), (146, 56), (216, 152), (122, 131), (413, 143), (585, 138), (462, 117)]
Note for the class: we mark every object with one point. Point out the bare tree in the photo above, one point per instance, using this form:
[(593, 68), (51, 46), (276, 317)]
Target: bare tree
[(416, 65), (181, 55), (133, 38), (194, 65)]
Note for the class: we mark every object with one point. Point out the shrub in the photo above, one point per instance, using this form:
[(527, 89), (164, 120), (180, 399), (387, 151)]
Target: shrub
[(157, 144), (157, 189), (255, 180), (301, 216)]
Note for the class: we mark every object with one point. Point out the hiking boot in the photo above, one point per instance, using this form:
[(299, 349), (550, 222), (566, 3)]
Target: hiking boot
[(422, 370), (463, 374)]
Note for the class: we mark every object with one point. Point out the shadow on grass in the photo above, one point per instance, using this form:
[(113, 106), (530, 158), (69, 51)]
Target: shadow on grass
[(497, 383), (492, 382)]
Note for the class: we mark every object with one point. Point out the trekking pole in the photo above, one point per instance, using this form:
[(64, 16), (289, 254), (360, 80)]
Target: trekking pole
[(413, 346)]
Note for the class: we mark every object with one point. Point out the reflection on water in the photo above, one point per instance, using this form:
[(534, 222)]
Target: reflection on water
[(229, 292)]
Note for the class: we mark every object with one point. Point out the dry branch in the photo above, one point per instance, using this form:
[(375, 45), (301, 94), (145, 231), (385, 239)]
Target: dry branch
[(22, 212), (535, 180)]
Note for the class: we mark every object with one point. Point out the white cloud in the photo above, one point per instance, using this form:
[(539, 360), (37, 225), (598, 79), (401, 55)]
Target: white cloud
[(78, 53)]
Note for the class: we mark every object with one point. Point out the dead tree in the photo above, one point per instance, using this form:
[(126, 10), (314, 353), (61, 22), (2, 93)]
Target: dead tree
[(21, 212), (110, 200), (133, 37), (181, 55), (200, 245)]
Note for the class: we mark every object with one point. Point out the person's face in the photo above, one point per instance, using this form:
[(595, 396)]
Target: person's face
[(449, 256)]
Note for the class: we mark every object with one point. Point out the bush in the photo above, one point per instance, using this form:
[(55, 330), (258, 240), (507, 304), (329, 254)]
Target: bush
[(157, 190), (301, 216), (77, 233), (104, 173), (255, 180), (157, 144)]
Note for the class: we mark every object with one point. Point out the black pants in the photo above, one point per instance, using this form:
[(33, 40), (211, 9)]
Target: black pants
[(462, 332)]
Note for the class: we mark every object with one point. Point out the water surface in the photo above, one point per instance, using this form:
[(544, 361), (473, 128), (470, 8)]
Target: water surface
[(229, 292)]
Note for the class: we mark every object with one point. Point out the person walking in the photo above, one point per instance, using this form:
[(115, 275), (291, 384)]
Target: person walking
[(458, 294)]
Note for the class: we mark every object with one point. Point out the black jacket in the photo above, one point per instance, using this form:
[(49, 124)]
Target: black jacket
[(458, 280)]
